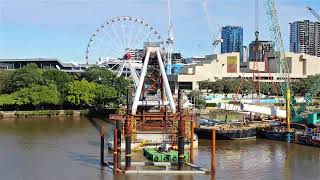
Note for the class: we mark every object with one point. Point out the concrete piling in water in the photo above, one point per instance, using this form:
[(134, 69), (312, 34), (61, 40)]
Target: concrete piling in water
[(180, 132), (191, 142), (128, 152), (180, 152), (213, 152), (115, 150), (102, 163), (128, 129), (119, 129)]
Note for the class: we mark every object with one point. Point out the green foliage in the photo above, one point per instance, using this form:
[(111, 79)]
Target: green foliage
[(26, 77), (104, 95), (106, 77), (6, 99), (59, 78), (31, 86), (197, 98), (4, 79), (37, 95), (302, 86), (238, 85), (81, 93), (211, 104), (99, 75), (222, 86)]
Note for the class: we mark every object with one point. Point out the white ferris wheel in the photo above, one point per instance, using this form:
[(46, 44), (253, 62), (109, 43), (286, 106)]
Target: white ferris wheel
[(118, 44)]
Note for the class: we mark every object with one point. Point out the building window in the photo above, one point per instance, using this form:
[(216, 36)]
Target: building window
[(3, 67), (185, 85)]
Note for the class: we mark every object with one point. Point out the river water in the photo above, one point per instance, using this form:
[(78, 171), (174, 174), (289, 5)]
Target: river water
[(68, 148)]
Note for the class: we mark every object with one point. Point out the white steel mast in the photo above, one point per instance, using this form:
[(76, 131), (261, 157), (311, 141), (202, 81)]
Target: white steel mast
[(169, 40)]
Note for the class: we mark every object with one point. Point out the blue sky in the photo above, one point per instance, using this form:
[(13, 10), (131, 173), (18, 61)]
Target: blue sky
[(62, 28)]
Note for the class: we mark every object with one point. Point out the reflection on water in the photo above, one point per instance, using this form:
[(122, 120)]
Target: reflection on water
[(67, 148)]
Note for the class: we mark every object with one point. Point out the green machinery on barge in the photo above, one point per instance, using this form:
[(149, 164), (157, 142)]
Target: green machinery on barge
[(162, 156)]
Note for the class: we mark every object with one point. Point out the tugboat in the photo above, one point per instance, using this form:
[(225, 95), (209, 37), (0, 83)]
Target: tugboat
[(310, 138)]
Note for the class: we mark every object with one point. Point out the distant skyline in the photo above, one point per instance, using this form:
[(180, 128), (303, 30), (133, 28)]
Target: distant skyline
[(62, 28)]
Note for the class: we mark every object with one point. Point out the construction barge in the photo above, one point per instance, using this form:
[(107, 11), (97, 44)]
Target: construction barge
[(229, 131), (304, 136)]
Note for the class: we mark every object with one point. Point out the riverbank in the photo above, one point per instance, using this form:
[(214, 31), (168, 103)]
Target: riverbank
[(54, 113), (25, 114)]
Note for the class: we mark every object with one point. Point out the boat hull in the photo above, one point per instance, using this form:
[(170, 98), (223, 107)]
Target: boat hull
[(275, 135), (206, 133)]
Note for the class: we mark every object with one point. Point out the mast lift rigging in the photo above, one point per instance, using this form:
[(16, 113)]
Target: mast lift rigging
[(296, 115), (313, 12)]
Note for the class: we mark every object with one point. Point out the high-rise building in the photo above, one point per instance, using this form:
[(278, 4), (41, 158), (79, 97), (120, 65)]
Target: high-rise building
[(265, 50), (176, 58), (232, 37), (305, 37)]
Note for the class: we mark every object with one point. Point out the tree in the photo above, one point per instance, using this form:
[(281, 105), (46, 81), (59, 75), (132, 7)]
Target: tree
[(197, 98), (59, 78), (205, 85), (81, 93), (106, 77), (302, 86), (6, 100), (4, 79), (217, 86), (104, 95), (26, 77), (37, 95), (245, 87), (99, 75), (44, 95)]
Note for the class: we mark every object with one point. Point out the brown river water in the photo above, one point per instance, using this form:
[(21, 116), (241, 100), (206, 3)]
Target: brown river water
[(68, 148)]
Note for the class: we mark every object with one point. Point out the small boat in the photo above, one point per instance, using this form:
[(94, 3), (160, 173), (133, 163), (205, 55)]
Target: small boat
[(311, 140)]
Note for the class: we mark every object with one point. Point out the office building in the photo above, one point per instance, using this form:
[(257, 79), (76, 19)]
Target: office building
[(265, 50), (227, 66), (232, 37), (305, 37)]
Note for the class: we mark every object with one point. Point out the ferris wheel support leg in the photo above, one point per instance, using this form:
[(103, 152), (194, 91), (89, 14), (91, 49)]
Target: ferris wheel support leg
[(134, 74), (141, 82), (166, 82), (121, 69)]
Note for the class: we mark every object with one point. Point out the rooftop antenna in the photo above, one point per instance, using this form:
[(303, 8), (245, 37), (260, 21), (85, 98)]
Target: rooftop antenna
[(169, 40)]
